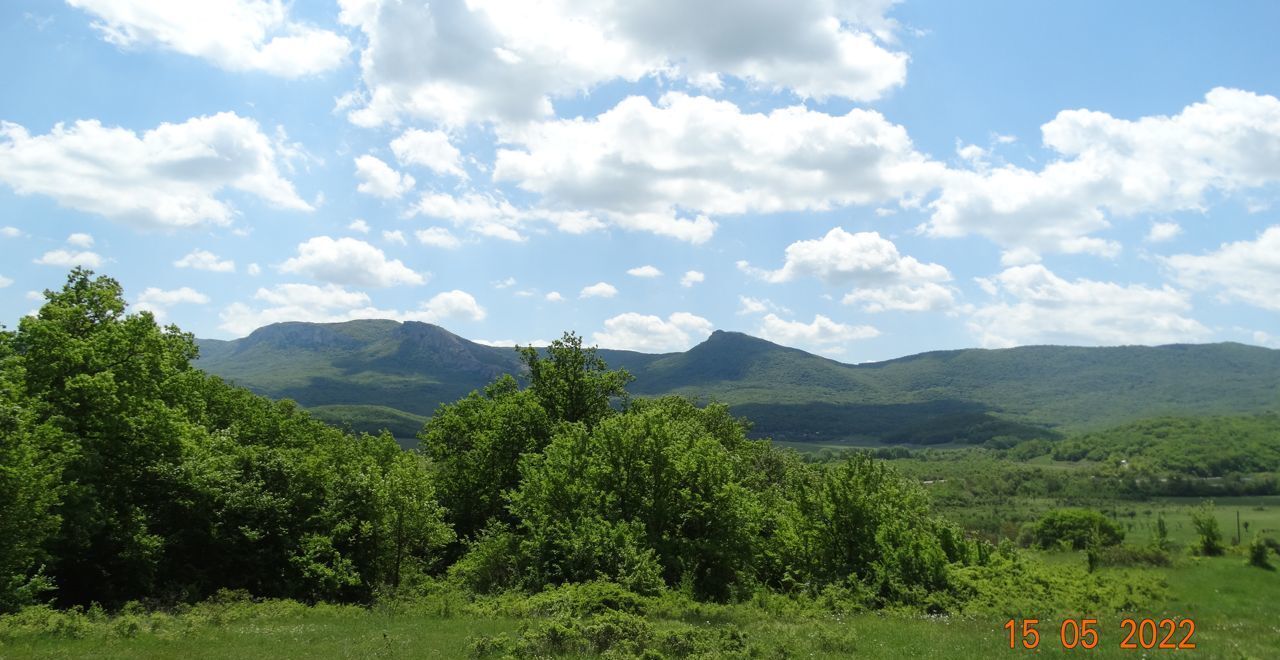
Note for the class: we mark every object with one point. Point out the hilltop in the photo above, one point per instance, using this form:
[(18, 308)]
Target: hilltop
[(380, 373)]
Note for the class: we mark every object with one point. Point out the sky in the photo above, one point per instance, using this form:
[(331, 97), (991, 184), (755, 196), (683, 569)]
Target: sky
[(862, 179)]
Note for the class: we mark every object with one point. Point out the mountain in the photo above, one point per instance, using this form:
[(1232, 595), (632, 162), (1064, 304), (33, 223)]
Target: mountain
[(376, 374)]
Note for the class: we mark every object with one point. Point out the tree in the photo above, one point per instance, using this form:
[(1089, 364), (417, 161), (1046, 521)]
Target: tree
[(572, 383), (476, 445), (108, 381), (30, 488), (1206, 524)]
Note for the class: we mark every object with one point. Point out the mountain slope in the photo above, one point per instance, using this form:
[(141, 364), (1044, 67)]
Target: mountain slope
[(375, 374)]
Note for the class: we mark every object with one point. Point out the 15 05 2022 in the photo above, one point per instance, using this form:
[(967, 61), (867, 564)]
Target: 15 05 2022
[(1166, 634)]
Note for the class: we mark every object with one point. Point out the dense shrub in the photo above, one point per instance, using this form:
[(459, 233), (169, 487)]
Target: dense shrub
[(1074, 528)]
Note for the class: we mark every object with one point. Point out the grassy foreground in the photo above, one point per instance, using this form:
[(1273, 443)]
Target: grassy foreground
[(1231, 603)]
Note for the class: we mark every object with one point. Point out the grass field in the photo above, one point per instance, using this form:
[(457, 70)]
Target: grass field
[(1232, 604)]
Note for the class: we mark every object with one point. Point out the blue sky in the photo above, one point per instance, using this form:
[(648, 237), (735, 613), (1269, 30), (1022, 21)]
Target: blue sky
[(860, 179)]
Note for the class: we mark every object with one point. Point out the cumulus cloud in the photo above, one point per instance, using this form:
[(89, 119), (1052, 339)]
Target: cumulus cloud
[(1163, 231), (669, 168), (396, 237), (80, 240), (10, 232), (1246, 271), (691, 278), (158, 301), (169, 176), (455, 62), (297, 302), (237, 35), (349, 261), (822, 335), (599, 290), (882, 277), (430, 149), (554, 296), (652, 334), (359, 225), (438, 237), (493, 216), (749, 305), (205, 260), (332, 303), (453, 305), (1035, 306), (378, 179), (5, 281), (644, 271), (69, 258), (1108, 166)]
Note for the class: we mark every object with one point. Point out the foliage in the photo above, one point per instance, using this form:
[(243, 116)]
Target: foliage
[(161, 482), (1074, 528), (1258, 551), (1206, 524)]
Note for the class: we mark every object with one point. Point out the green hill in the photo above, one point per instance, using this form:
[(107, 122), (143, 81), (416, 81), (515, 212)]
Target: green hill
[(384, 374)]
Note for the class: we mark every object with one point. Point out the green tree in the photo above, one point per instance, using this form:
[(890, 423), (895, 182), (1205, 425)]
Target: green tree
[(30, 488), (476, 445), (1206, 524), (108, 381), (572, 383)]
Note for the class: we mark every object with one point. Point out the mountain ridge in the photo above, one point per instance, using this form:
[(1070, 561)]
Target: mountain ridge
[(374, 373)]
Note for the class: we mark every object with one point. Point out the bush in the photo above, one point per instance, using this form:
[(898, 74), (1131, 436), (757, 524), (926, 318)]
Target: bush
[(1206, 524), (1074, 528), (1134, 555), (1258, 552)]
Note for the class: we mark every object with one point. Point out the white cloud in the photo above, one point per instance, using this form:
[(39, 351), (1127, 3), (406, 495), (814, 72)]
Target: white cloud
[(902, 297), (332, 303), (644, 271), (1265, 339), (641, 332), (669, 168), (1115, 167), (691, 278), (254, 270), (752, 305), (158, 301), (438, 237), (449, 306), (237, 35), (430, 149), (396, 236), (205, 260), (822, 335), (10, 232), (169, 176), (493, 216), (505, 283), (554, 296), (80, 240), (1247, 271), (349, 261), (599, 290), (457, 62), (4, 281), (378, 179), (298, 302), (68, 258), (168, 297), (882, 277), (359, 225), (1035, 306), (1163, 231)]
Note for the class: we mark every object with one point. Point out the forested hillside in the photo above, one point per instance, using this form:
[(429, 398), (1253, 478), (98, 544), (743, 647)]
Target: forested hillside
[(384, 374)]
